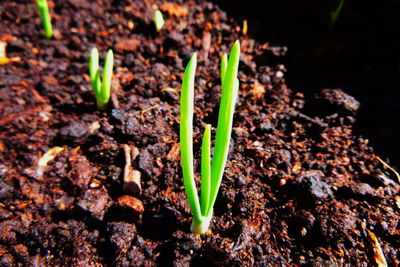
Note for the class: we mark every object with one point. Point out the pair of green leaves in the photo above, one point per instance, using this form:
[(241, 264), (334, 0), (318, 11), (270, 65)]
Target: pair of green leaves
[(102, 89)]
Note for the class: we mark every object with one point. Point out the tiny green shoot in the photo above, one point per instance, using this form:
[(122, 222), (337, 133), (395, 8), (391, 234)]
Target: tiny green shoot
[(211, 169), (102, 90), (158, 20), (335, 14), (45, 15)]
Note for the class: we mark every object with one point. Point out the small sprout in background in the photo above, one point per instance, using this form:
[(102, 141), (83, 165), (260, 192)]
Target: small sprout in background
[(45, 15), (335, 14), (102, 90), (211, 169), (158, 20)]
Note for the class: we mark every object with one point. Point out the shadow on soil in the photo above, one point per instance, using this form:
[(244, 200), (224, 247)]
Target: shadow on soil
[(358, 54)]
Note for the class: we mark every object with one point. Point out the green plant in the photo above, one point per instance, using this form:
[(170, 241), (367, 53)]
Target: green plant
[(45, 15), (158, 20), (102, 90), (335, 14), (211, 172)]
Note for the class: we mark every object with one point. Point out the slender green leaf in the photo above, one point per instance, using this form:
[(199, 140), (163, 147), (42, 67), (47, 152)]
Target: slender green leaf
[(186, 137), (45, 15), (94, 71), (205, 170), (107, 77), (335, 14), (225, 118)]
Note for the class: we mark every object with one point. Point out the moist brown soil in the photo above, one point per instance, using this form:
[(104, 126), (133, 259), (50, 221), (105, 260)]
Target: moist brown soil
[(298, 189)]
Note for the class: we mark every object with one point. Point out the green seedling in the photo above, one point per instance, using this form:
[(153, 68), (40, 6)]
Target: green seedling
[(211, 170), (335, 14), (102, 90), (45, 15), (158, 20)]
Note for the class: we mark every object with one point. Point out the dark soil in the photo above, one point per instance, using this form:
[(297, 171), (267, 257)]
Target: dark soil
[(301, 187)]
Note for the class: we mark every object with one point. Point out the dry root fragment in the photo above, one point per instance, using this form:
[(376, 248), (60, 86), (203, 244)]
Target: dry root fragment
[(378, 256), (131, 176), (37, 171), (3, 57), (169, 89), (5, 60), (49, 155), (388, 166), (142, 112)]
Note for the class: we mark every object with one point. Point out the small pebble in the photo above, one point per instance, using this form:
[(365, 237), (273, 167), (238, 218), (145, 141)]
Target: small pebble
[(94, 201), (131, 203), (279, 74)]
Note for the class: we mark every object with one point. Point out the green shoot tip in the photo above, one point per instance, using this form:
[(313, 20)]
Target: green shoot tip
[(158, 20)]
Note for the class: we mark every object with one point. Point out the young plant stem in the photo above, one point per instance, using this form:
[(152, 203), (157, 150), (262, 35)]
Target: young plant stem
[(106, 81), (46, 20), (200, 226), (186, 139), (102, 90), (205, 170), (94, 71), (211, 170), (230, 88)]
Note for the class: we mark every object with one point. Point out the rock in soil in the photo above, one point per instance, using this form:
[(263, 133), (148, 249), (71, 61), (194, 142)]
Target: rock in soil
[(95, 202)]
